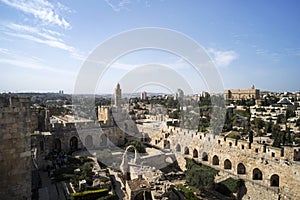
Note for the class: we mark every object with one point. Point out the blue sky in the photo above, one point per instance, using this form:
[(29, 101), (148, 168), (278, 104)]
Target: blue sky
[(43, 44)]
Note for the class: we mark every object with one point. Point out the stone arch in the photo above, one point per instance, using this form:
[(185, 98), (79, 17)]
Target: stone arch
[(88, 141), (204, 156), (125, 158), (124, 167), (215, 160), (73, 143), (257, 174), (195, 153), (186, 151), (241, 169), (274, 181), (227, 164), (103, 140), (57, 144), (178, 148)]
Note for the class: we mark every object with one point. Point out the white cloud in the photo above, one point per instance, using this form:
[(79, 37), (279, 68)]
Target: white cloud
[(118, 5), (3, 51), (41, 9), (222, 58), (42, 36)]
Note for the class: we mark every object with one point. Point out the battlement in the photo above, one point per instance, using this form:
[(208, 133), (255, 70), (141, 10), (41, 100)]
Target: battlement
[(254, 149), (9, 103)]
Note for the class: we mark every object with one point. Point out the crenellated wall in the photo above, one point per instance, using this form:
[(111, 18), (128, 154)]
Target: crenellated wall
[(276, 170)]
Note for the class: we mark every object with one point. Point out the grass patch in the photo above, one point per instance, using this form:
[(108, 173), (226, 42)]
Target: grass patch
[(90, 194)]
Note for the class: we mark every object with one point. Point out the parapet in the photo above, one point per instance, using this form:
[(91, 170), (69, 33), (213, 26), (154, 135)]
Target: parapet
[(10, 102)]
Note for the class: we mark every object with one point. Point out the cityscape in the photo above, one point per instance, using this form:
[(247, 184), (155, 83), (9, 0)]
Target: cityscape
[(151, 147), (149, 100)]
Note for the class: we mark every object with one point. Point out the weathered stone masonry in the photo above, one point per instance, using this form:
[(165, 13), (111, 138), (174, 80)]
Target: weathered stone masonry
[(15, 149)]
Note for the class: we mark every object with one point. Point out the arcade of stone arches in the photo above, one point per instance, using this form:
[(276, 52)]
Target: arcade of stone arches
[(257, 174)]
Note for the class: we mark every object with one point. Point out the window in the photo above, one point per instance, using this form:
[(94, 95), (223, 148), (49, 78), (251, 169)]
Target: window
[(241, 169), (227, 164), (257, 174), (274, 180), (273, 154)]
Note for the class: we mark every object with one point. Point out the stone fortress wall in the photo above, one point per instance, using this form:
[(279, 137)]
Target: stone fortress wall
[(15, 149), (273, 172)]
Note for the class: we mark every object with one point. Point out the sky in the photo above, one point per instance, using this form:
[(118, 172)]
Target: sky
[(44, 44)]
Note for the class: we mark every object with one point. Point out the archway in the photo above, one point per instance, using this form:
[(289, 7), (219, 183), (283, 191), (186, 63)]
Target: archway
[(274, 180), (195, 153), (241, 169), (89, 141), (178, 148), (124, 167), (227, 164), (73, 143), (57, 144), (257, 174), (204, 156), (103, 140), (186, 151), (215, 160)]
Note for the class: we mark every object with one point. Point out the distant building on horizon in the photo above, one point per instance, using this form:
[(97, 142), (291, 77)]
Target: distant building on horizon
[(239, 94), (179, 94), (118, 96), (144, 95)]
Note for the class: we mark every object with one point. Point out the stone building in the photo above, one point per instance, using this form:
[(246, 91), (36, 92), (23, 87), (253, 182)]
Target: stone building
[(239, 94), (16, 123), (269, 172), (105, 117)]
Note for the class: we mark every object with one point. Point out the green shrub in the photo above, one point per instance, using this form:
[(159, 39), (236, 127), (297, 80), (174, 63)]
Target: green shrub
[(199, 175), (229, 186)]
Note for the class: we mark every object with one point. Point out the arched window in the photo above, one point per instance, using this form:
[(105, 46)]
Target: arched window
[(178, 148), (204, 156), (186, 151), (215, 160), (195, 153), (103, 140), (227, 164), (74, 143), (257, 174), (89, 141), (241, 169), (274, 180)]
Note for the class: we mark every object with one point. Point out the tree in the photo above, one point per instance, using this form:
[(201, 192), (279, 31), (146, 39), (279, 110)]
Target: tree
[(283, 138), (268, 127), (289, 113), (200, 176), (251, 137), (275, 131), (259, 123)]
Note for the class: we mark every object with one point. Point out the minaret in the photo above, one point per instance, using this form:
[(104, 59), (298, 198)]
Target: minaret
[(118, 96)]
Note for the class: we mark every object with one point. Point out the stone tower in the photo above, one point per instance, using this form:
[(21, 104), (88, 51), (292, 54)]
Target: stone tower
[(15, 148), (118, 96)]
